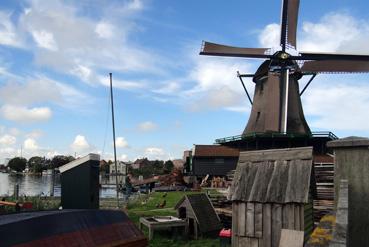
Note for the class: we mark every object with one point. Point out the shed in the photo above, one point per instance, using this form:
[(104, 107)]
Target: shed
[(80, 183), (199, 212), (272, 190)]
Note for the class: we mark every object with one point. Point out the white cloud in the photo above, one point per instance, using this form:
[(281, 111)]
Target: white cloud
[(41, 89), (217, 86), (135, 5), (80, 144), (156, 153), (104, 30), (334, 32), (45, 39), (124, 157), (30, 144), (8, 32), (270, 36), (7, 140), (14, 131), (25, 115), (83, 72), (121, 142), (343, 106), (35, 134), (121, 84), (73, 43), (147, 126), (33, 91), (169, 88)]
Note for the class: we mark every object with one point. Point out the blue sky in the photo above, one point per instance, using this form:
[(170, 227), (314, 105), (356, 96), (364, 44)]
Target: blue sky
[(55, 57)]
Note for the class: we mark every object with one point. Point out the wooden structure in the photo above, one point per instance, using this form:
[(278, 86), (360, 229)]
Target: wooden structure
[(200, 215), (162, 222), (213, 160), (271, 190), (80, 183), (351, 160), (70, 227)]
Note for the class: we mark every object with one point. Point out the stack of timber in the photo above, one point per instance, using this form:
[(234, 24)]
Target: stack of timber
[(223, 207), (324, 175), (230, 175)]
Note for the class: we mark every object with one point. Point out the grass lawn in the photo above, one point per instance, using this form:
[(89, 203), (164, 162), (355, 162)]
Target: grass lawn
[(146, 206)]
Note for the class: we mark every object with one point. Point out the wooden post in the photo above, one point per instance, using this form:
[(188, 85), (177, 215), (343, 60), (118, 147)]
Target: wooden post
[(195, 229), (52, 183), (151, 233), (16, 191)]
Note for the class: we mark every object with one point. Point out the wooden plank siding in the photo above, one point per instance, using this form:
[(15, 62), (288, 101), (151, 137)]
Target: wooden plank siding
[(272, 190), (260, 225)]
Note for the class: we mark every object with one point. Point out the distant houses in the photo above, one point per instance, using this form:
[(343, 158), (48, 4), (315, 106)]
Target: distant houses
[(122, 168)]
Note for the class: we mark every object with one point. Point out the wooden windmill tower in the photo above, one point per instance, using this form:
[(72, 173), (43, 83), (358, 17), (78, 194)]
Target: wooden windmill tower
[(276, 107)]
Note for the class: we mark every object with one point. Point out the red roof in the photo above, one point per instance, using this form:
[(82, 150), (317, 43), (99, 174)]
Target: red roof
[(215, 150)]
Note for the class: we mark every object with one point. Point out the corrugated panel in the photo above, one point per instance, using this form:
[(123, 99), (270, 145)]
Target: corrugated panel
[(276, 176)]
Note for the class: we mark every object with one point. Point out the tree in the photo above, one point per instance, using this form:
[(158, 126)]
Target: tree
[(17, 164), (35, 164), (104, 167), (60, 160), (168, 166)]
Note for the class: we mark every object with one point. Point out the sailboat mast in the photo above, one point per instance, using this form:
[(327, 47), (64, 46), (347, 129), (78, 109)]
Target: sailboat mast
[(115, 150)]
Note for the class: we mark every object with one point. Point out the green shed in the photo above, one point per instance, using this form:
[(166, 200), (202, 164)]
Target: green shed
[(80, 183)]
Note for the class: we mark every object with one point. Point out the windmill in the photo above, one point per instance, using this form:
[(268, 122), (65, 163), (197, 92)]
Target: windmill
[(276, 106)]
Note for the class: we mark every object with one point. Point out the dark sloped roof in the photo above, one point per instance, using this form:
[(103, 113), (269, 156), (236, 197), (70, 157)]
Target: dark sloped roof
[(215, 150), (351, 141), (275, 176), (205, 214), (70, 226)]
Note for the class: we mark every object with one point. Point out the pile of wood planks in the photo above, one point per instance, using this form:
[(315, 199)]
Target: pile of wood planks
[(324, 203)]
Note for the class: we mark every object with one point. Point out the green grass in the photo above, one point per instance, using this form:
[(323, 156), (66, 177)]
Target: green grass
[(39, 203), (146, 207)]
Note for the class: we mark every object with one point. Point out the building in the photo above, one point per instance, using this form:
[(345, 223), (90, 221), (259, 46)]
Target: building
[(139, 163), (200, 215), (79, 182), (272, 190), (212, 160), (121, 168)]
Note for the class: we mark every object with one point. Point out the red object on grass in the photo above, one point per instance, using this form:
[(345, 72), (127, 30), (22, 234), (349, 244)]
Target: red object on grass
[(27, 205), (226, 233)]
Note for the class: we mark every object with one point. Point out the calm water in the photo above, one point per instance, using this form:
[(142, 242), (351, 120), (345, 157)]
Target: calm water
[(32, 185)]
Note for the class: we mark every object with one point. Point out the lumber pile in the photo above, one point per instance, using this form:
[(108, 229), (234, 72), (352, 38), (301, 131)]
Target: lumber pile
[(324, 175)]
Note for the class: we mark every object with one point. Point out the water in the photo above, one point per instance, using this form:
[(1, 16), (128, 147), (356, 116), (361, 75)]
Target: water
[(33, 185)]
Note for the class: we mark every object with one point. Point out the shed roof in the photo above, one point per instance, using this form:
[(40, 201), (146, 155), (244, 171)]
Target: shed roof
[(79, 161), (351, 141), (203, 209), (273, 176), (214, 150)]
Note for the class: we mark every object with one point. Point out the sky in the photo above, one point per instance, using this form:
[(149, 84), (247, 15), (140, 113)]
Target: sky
[(56, 56)]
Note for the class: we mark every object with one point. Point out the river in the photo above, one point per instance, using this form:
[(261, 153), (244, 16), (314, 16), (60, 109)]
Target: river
[(33, 185)]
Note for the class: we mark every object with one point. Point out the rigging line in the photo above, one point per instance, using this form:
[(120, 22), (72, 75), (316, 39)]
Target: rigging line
[(307, 84)]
